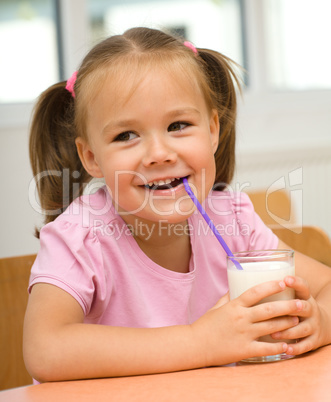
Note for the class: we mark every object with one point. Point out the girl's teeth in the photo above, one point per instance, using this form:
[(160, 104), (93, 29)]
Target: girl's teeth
[(161, 182)]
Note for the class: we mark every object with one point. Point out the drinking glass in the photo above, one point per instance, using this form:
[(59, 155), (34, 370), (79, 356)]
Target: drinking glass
[(260, 266)]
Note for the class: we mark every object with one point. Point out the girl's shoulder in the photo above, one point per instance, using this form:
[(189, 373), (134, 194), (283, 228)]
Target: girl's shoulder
[(229, 204), (83, 216), (90, 209), (71, 254), (235, 218)]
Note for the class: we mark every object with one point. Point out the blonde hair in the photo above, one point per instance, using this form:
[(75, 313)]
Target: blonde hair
[(59, 118)]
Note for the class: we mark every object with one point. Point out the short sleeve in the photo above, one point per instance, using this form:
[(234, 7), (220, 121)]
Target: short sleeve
[(258, 235), (238, 223), (70, 258)]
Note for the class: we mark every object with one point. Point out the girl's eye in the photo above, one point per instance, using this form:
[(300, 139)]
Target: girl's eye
[(126, 136), (178, 126)]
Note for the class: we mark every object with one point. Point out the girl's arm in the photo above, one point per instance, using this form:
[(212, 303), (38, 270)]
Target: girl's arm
[(58, 346), (312, 284)]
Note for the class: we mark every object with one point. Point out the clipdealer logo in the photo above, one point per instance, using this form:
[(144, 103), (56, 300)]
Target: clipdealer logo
[(293, 185)]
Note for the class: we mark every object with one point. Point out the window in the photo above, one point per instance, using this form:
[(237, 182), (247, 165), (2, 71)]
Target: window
[(28, 48), (215, 24), (283, 44), (297, 44)]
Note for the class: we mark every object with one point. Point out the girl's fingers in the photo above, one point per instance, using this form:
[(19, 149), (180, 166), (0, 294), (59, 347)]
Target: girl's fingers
[(298, 348), (255, 294), (295, 307), (299, 285), (267, 311), (276, 326), (299, 331), (269, 349)]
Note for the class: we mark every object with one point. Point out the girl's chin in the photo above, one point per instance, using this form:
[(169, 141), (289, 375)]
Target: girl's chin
[(157, 216), (178, 212), (158, 209), (152, 218)]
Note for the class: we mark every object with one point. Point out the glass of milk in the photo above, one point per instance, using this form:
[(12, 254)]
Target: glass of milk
[(260, 266)]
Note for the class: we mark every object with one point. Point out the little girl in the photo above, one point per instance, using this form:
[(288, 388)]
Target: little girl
[(130, 280)]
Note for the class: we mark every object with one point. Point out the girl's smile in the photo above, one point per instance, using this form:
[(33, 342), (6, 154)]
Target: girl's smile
[(163, 184), (145, 134)]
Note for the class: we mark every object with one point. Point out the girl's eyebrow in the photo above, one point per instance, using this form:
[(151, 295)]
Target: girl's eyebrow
[(117, 125), (186, 110), (172, 114)]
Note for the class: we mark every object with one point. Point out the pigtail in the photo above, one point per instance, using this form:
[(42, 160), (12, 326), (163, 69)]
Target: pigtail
[(56, 166), (222, 80)]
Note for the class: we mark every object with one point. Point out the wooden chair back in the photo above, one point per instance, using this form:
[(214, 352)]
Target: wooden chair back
[(309, 240), (276, 204), (312, 241), (14, 278)]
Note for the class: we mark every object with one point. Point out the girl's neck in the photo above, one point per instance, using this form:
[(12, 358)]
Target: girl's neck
[(166, 244)]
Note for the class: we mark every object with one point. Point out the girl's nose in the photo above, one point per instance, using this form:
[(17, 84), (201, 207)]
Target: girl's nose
[(158, 152)]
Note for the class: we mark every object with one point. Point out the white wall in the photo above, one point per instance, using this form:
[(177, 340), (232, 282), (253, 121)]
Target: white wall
[(289, 139), (17, 217)]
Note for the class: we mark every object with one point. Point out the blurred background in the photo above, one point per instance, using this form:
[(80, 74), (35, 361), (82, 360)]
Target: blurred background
[(284, 122)]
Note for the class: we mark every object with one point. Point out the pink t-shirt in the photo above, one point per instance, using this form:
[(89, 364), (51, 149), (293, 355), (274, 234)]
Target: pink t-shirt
[(90, 252)]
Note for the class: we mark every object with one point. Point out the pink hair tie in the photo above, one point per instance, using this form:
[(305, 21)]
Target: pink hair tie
[(71, 83), (191, 46)]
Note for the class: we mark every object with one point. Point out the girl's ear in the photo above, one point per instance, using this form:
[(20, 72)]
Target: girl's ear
[(214, 127), (87, 158)]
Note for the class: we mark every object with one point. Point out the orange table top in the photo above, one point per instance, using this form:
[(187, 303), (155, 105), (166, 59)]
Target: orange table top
[(304, 378)]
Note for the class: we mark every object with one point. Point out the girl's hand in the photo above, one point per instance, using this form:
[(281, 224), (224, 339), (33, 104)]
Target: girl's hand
[(229, 331), (310, 332)]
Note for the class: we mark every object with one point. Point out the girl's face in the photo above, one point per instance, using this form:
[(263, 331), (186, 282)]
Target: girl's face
[(144, 137)]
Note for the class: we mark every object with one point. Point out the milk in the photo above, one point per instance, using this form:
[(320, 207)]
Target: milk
[(254, 273)]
